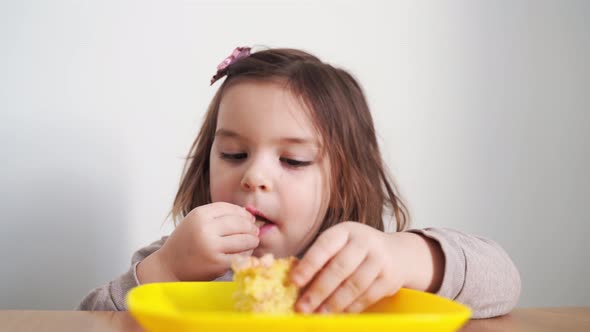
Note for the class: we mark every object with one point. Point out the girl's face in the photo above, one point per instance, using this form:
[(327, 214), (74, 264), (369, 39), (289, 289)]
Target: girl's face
[(266, 157)]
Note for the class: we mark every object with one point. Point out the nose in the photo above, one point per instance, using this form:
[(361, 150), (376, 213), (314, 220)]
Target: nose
[(256, 178)]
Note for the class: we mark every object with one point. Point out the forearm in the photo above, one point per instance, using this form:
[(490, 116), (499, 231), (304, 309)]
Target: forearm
[(152, 269), (110, 297), (425, 262), (477, 272)]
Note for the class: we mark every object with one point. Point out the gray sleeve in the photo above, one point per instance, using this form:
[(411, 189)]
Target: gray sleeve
[(478, 272), (112, 296)]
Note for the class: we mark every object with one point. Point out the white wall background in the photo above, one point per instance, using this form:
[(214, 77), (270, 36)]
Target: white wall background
[(482, 108)]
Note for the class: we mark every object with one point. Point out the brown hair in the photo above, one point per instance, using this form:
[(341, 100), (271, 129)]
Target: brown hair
[(360, 186)]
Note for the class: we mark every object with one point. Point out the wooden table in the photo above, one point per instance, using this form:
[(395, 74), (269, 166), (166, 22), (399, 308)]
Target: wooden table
[(533, 319)]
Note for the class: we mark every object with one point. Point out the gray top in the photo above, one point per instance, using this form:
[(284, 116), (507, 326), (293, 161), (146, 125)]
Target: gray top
[(478, 273)]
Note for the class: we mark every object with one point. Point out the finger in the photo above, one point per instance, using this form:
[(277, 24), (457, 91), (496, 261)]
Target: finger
[(378, 290), (237, 243), (235, 260), (220, 209), (340, 268), (229, 225), (353, 287), (324, 248)]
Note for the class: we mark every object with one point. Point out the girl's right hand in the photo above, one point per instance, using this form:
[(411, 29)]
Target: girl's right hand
[(203, 245)]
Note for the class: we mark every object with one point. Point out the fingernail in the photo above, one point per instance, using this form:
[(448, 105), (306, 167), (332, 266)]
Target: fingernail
[(355, 308), (303, 307), (296, 279), (304, 304)]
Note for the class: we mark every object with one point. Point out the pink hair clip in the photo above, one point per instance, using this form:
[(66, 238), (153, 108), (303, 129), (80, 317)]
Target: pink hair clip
[(237, 54)]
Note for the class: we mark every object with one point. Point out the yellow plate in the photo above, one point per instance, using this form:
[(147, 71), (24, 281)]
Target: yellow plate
[(208, 306)]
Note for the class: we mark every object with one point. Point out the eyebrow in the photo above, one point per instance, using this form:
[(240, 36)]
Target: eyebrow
[(293, 140)]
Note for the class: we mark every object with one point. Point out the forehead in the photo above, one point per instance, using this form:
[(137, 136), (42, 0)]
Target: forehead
[(264, 107)]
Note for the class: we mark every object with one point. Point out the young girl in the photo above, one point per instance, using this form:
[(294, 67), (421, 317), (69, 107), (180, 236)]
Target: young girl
[(287, 162)]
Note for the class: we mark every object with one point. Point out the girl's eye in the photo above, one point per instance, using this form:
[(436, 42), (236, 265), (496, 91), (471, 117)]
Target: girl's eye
[(295, 163), (234, 156)]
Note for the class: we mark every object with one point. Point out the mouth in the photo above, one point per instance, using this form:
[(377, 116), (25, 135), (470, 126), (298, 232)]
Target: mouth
[(261, 219)]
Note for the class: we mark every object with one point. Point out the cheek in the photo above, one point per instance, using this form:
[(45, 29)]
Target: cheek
[(221, 182), (308, 200), (320, 201)]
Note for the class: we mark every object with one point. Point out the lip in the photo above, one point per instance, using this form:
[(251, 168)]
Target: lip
[(265, 228), (257, 213)]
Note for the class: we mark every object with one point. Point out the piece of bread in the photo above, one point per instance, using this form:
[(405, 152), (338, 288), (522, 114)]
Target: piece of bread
[(263, 285)]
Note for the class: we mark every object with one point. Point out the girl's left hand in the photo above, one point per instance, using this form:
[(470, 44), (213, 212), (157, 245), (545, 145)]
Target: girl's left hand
[(349, 267)]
